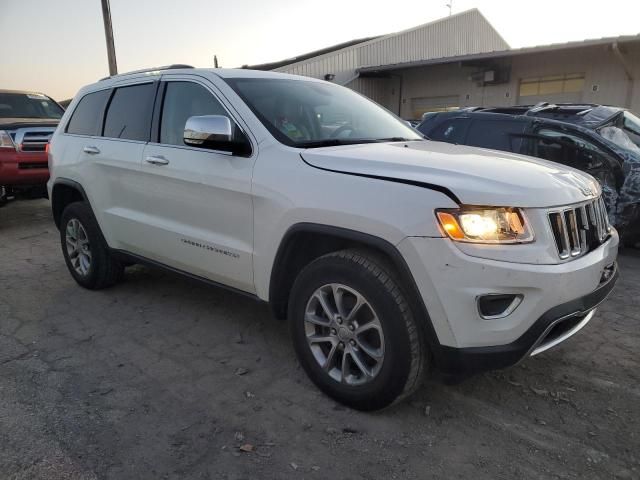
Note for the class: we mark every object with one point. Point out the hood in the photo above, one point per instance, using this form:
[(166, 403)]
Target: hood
[(11, 123), (475, 176)]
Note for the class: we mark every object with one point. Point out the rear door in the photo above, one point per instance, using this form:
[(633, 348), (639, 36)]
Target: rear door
[(498, 132), (111, 164), (197, 201), (452, 130)]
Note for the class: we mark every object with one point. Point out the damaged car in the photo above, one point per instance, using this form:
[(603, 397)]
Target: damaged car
[(603, 141)]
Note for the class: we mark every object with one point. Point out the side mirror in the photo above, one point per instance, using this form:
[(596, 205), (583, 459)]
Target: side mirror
[(208, 131)]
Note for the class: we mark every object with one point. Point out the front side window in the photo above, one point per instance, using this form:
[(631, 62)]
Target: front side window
[(129, 113), (574, 151), (86, 118), (181, 101), (29, 105), (311, 114)]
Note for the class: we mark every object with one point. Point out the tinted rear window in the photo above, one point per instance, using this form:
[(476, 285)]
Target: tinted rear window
[(85, 119), (496, 134), (451, 131), (129, 113)]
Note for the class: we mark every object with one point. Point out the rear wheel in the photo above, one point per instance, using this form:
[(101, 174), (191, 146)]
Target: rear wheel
[(85, 250), (354, 332)]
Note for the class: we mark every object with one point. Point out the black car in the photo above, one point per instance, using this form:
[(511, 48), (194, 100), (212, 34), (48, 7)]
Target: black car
[(600, 140)]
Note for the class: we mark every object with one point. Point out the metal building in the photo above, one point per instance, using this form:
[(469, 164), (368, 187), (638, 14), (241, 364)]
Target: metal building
[(462, 60)]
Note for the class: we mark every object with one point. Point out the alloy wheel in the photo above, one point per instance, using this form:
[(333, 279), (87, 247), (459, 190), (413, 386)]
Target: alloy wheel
[(78, 247), (344, 334)]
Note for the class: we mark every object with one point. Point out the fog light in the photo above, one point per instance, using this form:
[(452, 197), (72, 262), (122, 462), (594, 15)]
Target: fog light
[(497, 305)]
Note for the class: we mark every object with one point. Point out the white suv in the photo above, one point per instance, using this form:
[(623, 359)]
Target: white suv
[(389, 254)]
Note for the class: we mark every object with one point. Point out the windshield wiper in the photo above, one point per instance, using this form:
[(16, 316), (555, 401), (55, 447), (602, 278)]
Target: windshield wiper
[(398, 139), (332, 142)]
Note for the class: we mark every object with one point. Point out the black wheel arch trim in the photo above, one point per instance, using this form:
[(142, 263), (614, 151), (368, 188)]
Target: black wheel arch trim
[(68, 183), (279, 270), (415, 183)]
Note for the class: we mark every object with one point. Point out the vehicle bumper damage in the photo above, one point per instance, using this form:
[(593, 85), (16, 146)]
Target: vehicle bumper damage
[(519, 310)]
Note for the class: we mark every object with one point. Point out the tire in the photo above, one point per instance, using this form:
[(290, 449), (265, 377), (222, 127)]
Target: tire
[(91, 265), (385, 337)]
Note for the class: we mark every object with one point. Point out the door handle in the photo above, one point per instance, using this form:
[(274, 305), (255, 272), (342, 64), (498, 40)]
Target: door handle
[(91, 150), (157, 160)]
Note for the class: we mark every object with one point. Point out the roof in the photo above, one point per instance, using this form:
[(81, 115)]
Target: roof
[(306, 56), (109, 82), (507, 53), (249, 73), (586, 115)]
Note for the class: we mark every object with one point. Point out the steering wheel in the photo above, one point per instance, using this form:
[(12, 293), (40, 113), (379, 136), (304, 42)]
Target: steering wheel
[(344, 128)]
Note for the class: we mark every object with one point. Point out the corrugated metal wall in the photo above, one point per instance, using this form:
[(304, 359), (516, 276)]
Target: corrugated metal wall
[(377, 89), (465, 33)]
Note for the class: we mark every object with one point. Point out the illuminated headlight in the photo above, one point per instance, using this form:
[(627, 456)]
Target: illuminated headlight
[(485, 225), (6, 141)]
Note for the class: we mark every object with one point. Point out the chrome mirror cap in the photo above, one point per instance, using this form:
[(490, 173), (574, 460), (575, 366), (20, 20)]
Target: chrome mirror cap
[(204, 129)]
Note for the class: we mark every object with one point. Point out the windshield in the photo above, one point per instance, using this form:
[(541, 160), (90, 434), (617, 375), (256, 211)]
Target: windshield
[(631, 125), (310, 114), (28, 105), (619, 137)]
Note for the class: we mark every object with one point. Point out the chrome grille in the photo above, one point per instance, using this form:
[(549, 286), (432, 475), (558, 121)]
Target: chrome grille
[(33, 139), (579, 228)]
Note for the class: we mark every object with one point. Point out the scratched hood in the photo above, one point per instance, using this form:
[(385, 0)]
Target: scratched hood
[(475, 176)]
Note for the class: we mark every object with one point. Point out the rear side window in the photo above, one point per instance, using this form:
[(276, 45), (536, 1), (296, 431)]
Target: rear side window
[(85, 119), (496, 134), (451, 131), (129, 113)]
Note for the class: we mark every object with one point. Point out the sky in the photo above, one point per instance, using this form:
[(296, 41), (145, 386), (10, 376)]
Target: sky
[(57, 46)]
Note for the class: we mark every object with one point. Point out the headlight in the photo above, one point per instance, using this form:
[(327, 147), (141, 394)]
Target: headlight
[(5, 140), (485, 225)]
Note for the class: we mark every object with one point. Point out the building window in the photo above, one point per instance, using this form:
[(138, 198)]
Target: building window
[(553, 84)]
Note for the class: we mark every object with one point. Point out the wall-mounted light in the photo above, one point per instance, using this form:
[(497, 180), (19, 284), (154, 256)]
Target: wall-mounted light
[(329, 77)]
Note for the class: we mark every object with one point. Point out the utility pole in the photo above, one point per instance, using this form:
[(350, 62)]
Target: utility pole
[(450, 5), (108, 35)]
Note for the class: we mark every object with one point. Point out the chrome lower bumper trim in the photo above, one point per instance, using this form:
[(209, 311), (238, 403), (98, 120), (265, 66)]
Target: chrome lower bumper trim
[(542, 346)]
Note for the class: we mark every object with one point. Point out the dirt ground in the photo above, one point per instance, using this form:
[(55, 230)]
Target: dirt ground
[(162, 377)]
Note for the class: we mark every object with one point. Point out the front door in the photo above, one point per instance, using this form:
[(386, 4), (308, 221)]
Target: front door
[(198, 201)]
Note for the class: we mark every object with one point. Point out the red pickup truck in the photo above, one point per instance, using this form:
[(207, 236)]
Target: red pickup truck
[(27, 121)]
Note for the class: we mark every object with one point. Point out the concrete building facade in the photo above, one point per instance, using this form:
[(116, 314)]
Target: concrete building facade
[(463, 61)]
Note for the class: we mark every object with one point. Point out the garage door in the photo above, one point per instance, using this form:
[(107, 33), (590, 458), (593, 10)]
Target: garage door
[(422, 105), (552, 89)]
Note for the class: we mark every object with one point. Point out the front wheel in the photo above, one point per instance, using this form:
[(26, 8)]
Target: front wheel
[(354, 332)]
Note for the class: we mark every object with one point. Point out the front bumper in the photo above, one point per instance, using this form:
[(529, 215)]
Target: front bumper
[(23, 168), (450, 282), (556, 325)]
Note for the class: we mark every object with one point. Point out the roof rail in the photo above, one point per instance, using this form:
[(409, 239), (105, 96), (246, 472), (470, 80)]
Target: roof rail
[(147, 70), (539, 107)]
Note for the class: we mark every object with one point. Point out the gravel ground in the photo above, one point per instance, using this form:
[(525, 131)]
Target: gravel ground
[(162, 377)]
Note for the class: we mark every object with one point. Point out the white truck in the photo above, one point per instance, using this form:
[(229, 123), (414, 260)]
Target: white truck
[(389, 254)]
